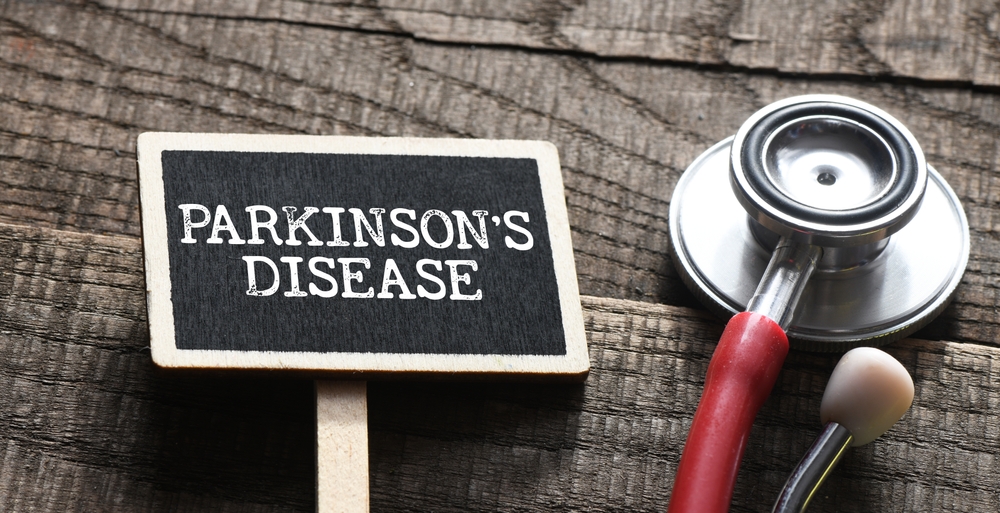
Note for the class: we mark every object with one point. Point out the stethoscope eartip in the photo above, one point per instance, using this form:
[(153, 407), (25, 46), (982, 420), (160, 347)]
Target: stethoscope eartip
[(868, 392)]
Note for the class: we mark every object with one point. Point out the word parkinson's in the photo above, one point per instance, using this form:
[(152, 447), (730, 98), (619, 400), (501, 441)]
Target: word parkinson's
[(435, 228)]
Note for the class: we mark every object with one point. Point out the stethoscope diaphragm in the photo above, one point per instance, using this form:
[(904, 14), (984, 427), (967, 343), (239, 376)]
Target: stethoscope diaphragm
[(836, 173)]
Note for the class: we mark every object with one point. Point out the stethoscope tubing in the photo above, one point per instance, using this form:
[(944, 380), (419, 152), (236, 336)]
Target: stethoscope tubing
[(805, 480), (741, 374), (754, 344)]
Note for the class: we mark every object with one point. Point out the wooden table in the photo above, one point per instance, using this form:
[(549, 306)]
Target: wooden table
[(629, 92)]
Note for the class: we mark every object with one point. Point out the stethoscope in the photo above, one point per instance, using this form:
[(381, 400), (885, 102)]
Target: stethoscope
[(819, 219)]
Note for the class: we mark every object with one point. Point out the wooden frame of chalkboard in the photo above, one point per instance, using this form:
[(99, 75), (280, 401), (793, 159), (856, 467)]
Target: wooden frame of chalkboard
[(358, 255)]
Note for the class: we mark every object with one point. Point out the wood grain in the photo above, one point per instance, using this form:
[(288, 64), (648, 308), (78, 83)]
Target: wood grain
[(88, 425), (630, 93), (938, 41), (73, 102)]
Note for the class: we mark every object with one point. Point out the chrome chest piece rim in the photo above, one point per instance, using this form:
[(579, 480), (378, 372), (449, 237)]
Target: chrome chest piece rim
[(827, 170), (871, 288)]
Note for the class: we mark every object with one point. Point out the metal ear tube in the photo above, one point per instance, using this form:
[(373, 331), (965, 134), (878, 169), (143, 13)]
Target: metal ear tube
[(836, 234), (866, 394)]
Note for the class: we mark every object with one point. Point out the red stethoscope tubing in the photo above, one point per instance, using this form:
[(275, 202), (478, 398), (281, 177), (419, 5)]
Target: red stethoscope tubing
[(741, 374)]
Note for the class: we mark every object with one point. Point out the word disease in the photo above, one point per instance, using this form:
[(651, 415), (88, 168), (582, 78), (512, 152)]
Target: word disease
[(433, 279)]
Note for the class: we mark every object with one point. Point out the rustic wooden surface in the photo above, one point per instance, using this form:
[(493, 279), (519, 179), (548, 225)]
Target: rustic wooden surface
[(629, 92)]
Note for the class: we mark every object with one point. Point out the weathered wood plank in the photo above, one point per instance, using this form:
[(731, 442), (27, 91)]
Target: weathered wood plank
[(86, 424), (78, 83), (932, 41)]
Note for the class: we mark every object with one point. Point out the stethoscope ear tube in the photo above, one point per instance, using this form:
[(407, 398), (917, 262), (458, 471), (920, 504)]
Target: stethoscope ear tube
[(815, 466)]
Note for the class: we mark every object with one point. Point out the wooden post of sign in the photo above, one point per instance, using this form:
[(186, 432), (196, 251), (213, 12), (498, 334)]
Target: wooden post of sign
[(341, 447)]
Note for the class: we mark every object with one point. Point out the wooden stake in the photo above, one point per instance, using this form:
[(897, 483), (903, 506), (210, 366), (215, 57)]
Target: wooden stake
[(341, 447)]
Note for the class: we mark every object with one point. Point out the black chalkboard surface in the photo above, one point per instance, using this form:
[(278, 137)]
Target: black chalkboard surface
[(347, 254)]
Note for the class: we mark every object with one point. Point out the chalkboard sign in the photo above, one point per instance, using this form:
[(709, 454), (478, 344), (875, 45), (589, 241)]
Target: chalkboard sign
[(350, 254)]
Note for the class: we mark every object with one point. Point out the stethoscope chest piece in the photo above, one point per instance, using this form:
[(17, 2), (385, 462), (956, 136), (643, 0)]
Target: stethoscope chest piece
[(831, 172)]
